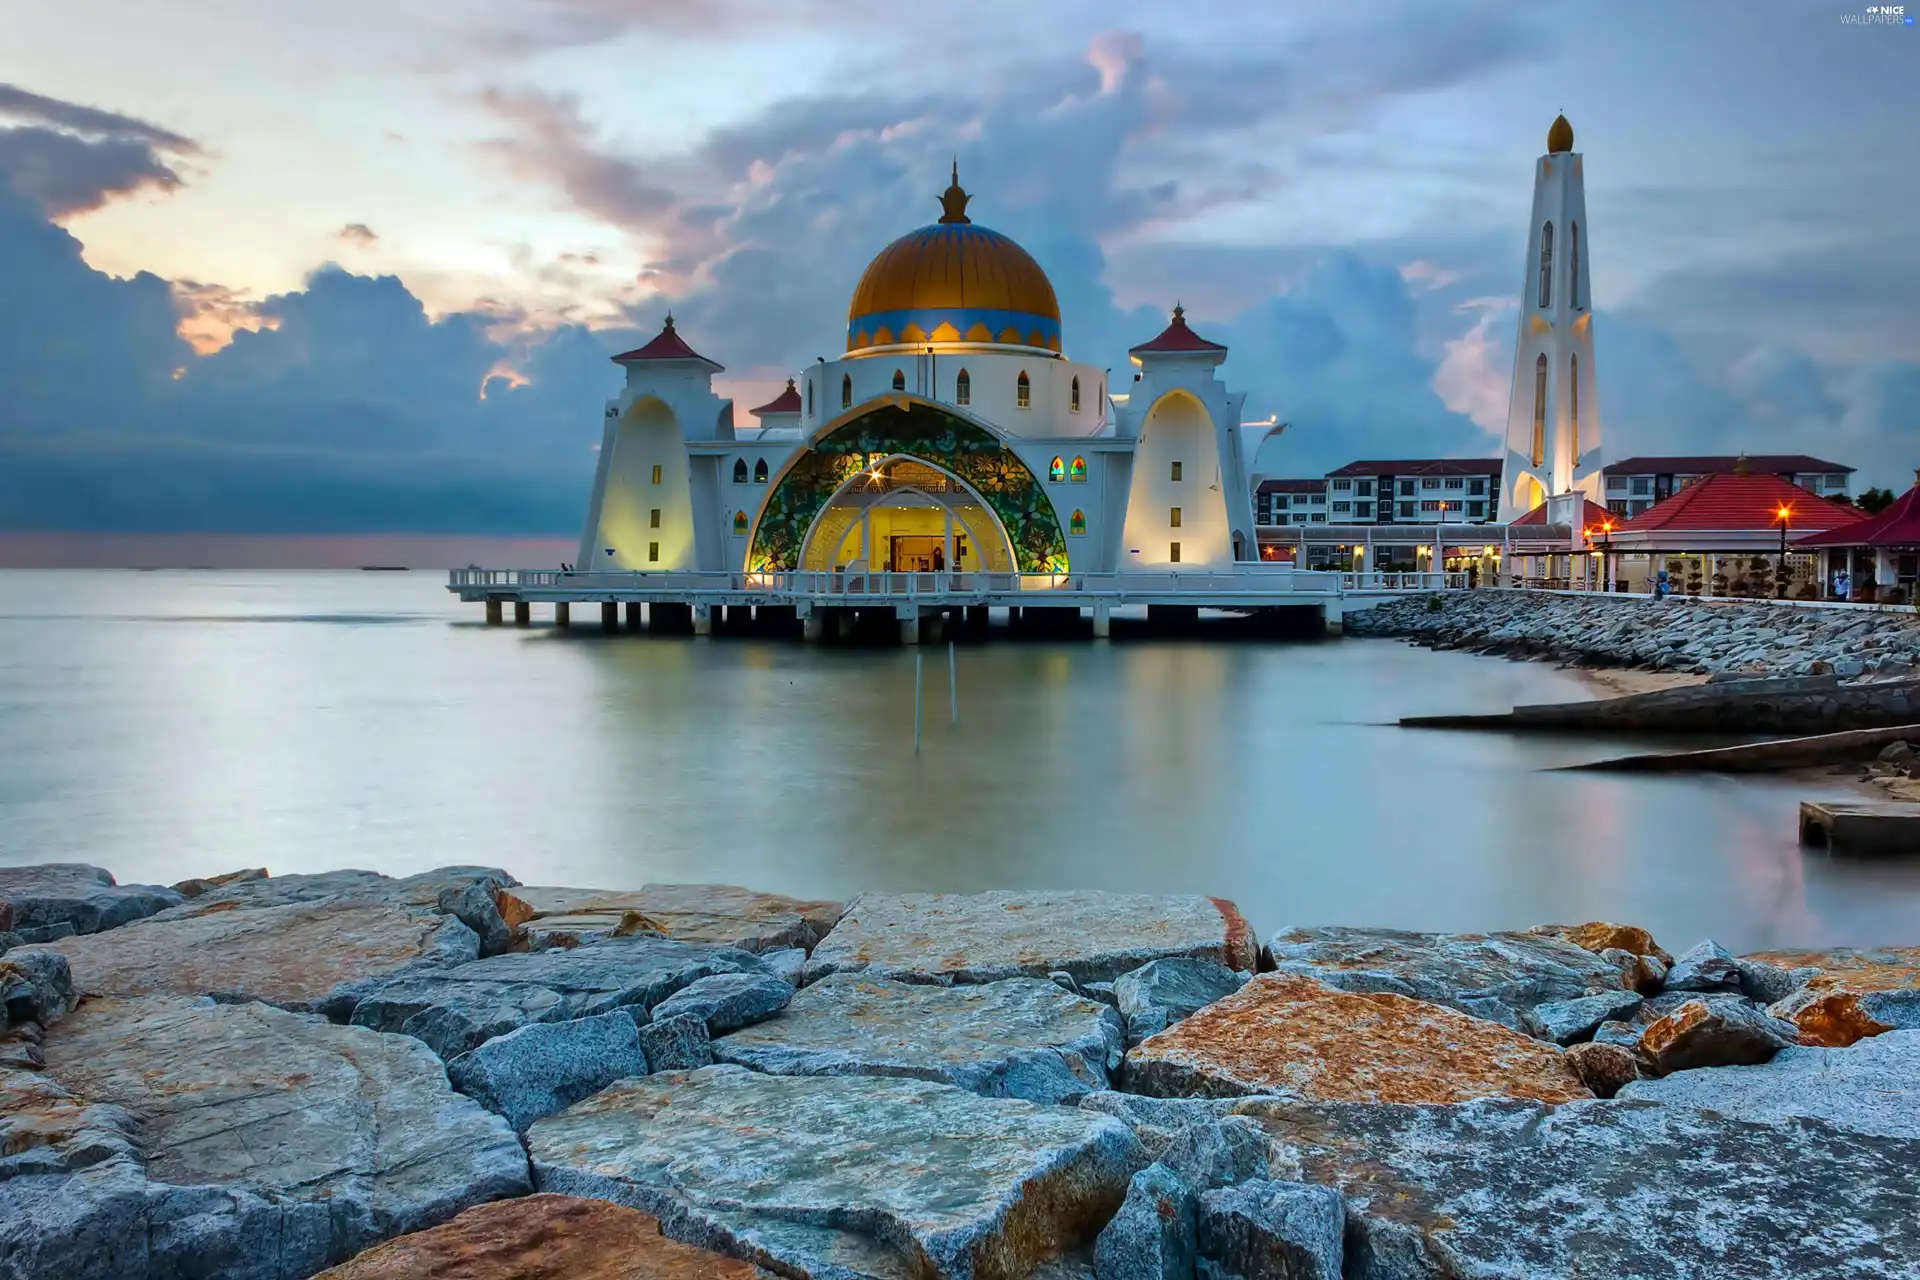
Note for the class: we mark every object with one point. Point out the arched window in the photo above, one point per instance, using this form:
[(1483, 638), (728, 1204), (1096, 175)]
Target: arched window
[(1077, 524), (1546, 265), (1573, 265), (1023, 393), (739, 470), (809, 397), (1540, 410), (760, 471), (1103, 399), (846, 391), (899, 380), (1573, 406), (962, 388), (1078, 471), (1073, 396), (739, 524), (1057, 471)]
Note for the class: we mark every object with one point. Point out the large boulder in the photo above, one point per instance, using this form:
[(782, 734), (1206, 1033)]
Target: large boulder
[(1873, 1087), (1290, 1036), (1600, 937), (984, 937), (543, 1237), (41, 899), (1018, 1038), (1570, 1021), (36, 985), (456, 1008), (1848, 993), (1708, 966), (678, 1042), (1152, 1237), (1162, 992), (728, 1001), (547, 1067), (832, 1177), (718, 914), (1722, 1033), (1195, 1138), (1260, 1229), (1497, 976)]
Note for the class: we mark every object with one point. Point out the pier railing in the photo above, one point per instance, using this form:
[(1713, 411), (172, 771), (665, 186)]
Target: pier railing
[(1244, 579)]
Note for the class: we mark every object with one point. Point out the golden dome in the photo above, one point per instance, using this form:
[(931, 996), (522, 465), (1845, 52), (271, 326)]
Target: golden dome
[(1559, 136), (953, 283)]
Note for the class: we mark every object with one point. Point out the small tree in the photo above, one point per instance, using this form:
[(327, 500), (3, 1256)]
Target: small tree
[(1874, 501)]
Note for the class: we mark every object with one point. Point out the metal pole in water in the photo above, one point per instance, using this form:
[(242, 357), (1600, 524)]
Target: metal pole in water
[(953, 680), (918, 662)]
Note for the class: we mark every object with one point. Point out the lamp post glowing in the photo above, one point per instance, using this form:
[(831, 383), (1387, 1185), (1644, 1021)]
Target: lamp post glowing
[(1784, 515), (1606, 555)]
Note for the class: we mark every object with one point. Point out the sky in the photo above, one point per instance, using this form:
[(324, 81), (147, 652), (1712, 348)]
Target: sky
[(270, 267)]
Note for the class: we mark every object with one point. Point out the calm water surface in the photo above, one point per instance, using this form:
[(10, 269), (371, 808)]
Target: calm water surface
[(174, 724)]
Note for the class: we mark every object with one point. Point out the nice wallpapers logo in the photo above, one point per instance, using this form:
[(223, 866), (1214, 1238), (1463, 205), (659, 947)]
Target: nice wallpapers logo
[(1880, 15)]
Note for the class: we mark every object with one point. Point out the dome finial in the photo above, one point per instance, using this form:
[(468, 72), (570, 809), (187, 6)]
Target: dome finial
[(953, 203), (669, 327), (1559, 136), (1179, 314), (1740, 467)]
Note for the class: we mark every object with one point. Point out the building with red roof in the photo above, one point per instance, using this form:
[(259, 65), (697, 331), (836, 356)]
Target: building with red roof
[(1881, 552)]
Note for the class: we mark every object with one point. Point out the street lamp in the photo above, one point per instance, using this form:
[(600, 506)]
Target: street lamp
[(1784, 515), (1606, 555)]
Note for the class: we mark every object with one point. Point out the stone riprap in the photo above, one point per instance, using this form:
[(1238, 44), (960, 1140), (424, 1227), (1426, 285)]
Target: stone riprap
[(36, 987), (543, 1237), (983, 937), (677, 1043), (1496, 976), (1153, 1235), (547, 1067), (728, 1001), (1637, 631), (1266, 1228), (1017, 1038), (455, 1008), (1710, 1033), (1871, 1087), (1162, 992), (838, 1177), (1848, 993), (46, 901), (721, 914), (1290, 1036)]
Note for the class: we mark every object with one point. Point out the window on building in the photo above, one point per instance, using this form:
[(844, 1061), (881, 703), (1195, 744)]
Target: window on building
[(846, 391), (1173, 517), (1364, 489), (1546, 267), (1317, 499), (1299, 499), (899, 380), (1343, 506), (1057, 470), (1540, 409), (1643, 486), (1176, 471), (962, 388), (1363, 510), (1073, 396), (739, 470), (1837, 483), (656, 473), (1022, 392), (1617, 505), (653, 552), (760, 471), (1478, 487), (653, 518), (1343, 486), (1476, 511), (809, 397), (1406, 511), (1406, 488), (1618, 483), (739, 524), (1429, 483), (1456, 482), (1432, 505), (1077, 472), (1077, 523), (1173, 552), (1573, 406), (1573, 265)]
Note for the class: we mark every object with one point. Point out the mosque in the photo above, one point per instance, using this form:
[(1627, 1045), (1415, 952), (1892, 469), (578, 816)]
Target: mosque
[(954, 433)]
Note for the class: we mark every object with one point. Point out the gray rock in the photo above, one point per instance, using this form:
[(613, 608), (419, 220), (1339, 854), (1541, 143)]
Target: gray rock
[(785, 964), (1101, 991), (541, 1069), (56, 893), (1495, 1189), (677, 1043), (8, 941), (43, 933), (728, 1001), (1061, 978), (1870, 1087), (35, 986), (844, 1177), (1153, 1236), (1273, 1229), (1604, 1068), (1722, 1034), (1767, 983), (984, 937), (1018, 1038), (1570, 1021), (474, 905), (1496, 976), (1217, 1153), (1162, 992), (1708, 967), (421, 892), (1896, 752), (716, 914)]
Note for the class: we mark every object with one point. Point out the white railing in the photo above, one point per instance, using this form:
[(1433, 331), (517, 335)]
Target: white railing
[(1245, 579)]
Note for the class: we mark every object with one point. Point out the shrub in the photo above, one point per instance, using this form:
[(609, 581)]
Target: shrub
[(1435, 604)]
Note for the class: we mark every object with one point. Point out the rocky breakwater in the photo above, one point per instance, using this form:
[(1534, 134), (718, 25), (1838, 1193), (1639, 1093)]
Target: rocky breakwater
[(1706, 638), (422, 1078)]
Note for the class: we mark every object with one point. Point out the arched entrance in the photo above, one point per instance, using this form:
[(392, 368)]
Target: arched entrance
[(957, 463), (903, 515)]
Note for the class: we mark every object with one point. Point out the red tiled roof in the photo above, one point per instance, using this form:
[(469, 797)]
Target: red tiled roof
[(1772, 463), (1740, 503), (787, 401), (1421, 467), (1592, 515), (1176, 337), (1292, 486), (1897, 526), (666, 345)]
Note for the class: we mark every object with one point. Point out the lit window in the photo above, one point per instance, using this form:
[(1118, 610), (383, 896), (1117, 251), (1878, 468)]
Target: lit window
[(1176, 471), (656, 473), (1078, 471), (653, 551), (1546, 266), (739, 524), (760, 471), (1173, 518), (1073, 396), (1022, 393), (963, 388), (846, 391), (1173, 552), (739, 470), (899, 380), (1540, 410), (1077, 524), (653, 518), (1057, 471)]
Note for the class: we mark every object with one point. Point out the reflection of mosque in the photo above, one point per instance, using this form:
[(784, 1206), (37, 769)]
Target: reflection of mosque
[(954, 433)]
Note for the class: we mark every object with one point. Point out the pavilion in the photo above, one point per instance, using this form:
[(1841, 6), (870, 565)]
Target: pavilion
[(1881, 554)]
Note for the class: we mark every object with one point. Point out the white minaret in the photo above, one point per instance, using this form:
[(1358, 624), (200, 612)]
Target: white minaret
[(1553, 417)]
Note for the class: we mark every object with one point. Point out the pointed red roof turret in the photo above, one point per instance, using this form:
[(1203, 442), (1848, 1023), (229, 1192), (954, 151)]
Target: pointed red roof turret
[(787, 401), (1177, 339), (666, 345)]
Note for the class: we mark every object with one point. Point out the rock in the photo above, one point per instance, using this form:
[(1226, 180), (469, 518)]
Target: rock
[(677, 1043), (36, 986), (477, 905), (1061, 978), (1641, 973), (543, 1237), (1290, 1036), (1497, 976), (1018, 1038), (1849, 993), (984, 937), (1723, 1034), (1273, 1229), (1566, 1021), (56, 893), (1604, 1068), (294, 956), (1708, 967), (8, 941), (785, 964), (1162, 992), (831, 1177), (1599, 937), (48, 1130), (1602, 1188), (273, 1143), (1896, 753), (1101, 991), (455, 1008), (420, 892), (1217, 1154), (203, 884), (716, 914), (1624, 1034), (728, 1001), (547, 1067), (1873, 1087), (1152, 1237), (1765, 983), (1833, 1018), (42, 933)]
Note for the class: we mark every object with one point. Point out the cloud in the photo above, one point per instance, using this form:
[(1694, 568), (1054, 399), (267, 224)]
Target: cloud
[(71, 158), (358, 234)]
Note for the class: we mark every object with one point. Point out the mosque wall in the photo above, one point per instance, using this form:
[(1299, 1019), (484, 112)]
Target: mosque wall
[(1176, 512), (993, 389), (643, 516)]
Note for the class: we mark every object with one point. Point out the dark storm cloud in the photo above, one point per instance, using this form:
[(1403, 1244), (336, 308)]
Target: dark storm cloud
[(70, 158)]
